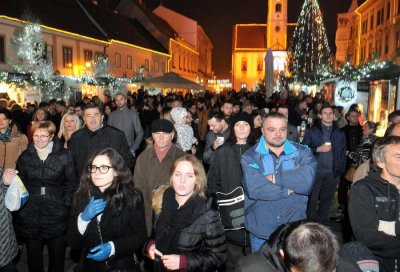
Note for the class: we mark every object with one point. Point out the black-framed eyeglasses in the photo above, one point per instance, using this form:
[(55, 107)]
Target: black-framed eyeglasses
[(103, 169)]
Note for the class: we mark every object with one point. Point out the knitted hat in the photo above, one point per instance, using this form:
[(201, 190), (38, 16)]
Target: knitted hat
[(361, 255), (161, 125), (177, 114), (242, 116)]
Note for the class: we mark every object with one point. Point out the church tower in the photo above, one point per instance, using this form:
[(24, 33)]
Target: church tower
[(277, 25)]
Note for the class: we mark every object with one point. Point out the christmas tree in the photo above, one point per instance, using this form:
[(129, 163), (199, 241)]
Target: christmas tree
[(30, 49), (309, 57)]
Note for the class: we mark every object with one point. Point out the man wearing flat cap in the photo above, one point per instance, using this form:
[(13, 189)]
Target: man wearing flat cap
[(153, 165)]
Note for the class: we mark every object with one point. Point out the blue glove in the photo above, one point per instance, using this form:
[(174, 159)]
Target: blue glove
[(93, 208), (100, 253)]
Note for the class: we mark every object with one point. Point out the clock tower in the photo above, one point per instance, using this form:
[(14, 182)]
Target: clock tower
[(277, 25)]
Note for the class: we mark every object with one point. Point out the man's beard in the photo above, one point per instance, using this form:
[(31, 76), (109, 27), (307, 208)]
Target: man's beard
[(274, 144)]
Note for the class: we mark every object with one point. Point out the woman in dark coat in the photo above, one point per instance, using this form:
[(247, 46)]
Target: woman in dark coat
[(188, 234), (45, 168), (225, 184), (107, 217)]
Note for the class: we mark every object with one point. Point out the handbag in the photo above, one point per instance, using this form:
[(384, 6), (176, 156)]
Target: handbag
[(231, 208), (349, 175), (16, 195)]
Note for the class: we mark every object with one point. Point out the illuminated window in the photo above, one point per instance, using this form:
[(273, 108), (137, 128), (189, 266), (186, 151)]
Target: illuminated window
[(88, 55), (243, 86), (49, 53), (128, 62), (117, 60), (278, 7), (244, 65), (67, 57), (259, 65), (2, 50)]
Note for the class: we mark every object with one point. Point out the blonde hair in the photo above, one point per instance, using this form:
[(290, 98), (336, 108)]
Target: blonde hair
[(63, 132), (199, 187), (46, 125)]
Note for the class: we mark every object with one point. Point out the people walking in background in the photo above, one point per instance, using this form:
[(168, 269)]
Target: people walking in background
[(188, 233), (70, 123)]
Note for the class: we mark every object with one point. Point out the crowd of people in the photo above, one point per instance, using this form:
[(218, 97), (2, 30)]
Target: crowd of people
[(205, 182)]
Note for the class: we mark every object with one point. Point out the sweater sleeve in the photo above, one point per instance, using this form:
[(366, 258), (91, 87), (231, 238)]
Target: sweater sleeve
[(364, 222)]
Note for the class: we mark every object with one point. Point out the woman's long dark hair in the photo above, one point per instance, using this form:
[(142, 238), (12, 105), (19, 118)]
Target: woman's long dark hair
[(121, 193)]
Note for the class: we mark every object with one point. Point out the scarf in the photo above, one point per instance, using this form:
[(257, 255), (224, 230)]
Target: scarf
[(6, 136), (44, 152), (172, 220)]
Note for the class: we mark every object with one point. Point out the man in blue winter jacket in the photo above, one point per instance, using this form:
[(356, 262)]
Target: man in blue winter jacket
[(278, 176)]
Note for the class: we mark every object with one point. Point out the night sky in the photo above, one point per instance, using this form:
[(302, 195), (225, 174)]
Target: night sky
[(217, 18)]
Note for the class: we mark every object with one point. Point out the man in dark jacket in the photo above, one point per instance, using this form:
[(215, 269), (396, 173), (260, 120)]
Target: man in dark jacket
[(298, 247), (374, 205), (95, 136), (328, 144)]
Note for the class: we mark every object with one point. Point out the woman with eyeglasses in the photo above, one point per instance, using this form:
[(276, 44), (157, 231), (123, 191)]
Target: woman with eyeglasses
[(107, 217), (46, 168)]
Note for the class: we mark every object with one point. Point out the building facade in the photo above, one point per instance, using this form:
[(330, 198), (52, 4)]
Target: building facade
[(251, 42)]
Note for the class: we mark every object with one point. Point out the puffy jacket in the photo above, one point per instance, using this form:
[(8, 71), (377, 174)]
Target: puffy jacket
[(50, 185), (313, 139), (270, 205), (373, 199)]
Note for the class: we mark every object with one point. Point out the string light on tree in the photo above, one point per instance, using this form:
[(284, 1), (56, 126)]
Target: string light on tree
[(309, 57)]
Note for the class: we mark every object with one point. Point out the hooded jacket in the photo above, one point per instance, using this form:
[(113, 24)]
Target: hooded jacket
[(373, 199)]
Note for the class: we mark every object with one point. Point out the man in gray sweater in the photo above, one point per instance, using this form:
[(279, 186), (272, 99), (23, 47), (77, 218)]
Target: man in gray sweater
[(127, 121)]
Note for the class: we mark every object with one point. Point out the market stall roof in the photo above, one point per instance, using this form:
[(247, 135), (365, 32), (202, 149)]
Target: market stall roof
[(171, 80)]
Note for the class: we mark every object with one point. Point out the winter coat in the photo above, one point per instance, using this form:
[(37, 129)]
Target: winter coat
[(225, 175), (50, 185), (128, 122), (13, 149), (373, 199), (8, 244), (203, 241), (150, 173), (127, 230), (84, 143), (313, 139), (269, 205)]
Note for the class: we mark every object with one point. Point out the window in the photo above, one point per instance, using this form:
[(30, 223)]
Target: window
[(388, 11), (243, 86), (49, 53), (173, 60), (364, 27), (98, 55), (378, 48), (371, 22), (146, 64), (184, 63), (259, 65), (398, 40), (117, 60), (379, 18), (244, 65), (163, 67), (67, 57), (88, 55), (156, 66), (129, 62), (180, 65), (278, 7), (2, 50), (398, 6)]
